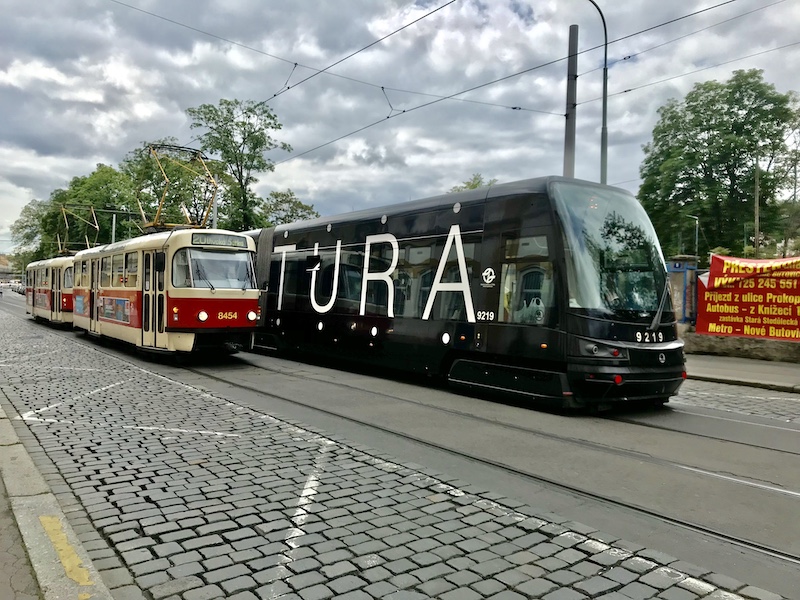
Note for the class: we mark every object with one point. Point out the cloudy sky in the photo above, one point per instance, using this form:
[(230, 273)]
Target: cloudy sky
[(86, 81)]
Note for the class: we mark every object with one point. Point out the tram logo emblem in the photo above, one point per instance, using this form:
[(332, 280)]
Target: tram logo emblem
[(488, 276), (662, 358)]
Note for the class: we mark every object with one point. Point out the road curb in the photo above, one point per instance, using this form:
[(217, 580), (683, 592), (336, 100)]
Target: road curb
[(775, 387), (62, 566)]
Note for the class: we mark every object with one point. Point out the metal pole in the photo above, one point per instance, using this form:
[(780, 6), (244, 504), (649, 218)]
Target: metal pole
[(696, 238), (113, 227), (604, 128), (757, 224), (572, 96)]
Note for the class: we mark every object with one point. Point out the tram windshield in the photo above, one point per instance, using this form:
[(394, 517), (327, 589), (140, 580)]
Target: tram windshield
[(201, 268), (615, 268)]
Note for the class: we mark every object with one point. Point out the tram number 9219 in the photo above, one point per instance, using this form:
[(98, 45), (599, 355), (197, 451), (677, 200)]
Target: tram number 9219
[(649, 336), (485, 315)]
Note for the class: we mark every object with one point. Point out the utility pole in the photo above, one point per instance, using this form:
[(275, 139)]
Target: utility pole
[(757, 231), (572, 96)]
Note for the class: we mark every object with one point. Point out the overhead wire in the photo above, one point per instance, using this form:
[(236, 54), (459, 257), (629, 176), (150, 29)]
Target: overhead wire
[(727, 62), (438, 98), (317, 71), (629, 56)]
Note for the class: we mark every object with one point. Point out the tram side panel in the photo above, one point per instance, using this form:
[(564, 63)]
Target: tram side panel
[(491, 332)]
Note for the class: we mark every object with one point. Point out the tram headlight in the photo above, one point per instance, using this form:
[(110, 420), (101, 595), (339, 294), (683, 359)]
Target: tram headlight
[(593, 349), (202, 316), (252, 316)]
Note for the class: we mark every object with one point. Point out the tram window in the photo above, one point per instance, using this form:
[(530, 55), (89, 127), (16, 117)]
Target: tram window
[(105, 272), (68, 281), (526, 282), (118, 270), (425, 283), (76, 282), (147, 271), (181, 276), (131, 269)]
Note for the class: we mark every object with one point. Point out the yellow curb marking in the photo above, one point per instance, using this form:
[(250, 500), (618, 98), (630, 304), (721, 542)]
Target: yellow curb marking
[(66, 553)]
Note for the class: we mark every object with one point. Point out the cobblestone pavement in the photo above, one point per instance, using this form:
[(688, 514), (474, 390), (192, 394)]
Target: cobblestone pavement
[(17, 581), (752, 401), (182, 495)]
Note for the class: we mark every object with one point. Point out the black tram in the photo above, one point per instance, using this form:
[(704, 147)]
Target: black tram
[(544, 288)]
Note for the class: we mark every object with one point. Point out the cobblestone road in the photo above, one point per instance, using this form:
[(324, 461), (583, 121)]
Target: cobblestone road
[(180, 494), (740, 400)]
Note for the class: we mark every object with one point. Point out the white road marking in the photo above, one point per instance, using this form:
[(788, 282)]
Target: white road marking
[(27, 416), (762, 486)]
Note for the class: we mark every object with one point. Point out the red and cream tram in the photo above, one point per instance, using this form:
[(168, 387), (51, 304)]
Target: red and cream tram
[(48, 291), (174, 291)]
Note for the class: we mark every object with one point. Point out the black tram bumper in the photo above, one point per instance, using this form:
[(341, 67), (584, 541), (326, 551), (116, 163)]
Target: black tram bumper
[(592, 384)]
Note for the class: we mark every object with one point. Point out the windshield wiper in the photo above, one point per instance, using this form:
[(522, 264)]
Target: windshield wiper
[(201, 272), (657, 318)]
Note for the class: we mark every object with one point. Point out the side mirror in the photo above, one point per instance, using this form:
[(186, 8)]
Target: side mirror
[(160, 262)]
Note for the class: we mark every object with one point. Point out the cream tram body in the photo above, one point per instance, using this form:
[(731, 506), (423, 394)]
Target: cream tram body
[(48, 289), (174, 291)]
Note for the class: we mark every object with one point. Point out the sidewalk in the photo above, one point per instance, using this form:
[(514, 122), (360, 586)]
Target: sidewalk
[(770, 375)]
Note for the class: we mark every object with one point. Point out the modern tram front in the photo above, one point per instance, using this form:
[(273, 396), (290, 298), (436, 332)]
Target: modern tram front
[(620, 323)]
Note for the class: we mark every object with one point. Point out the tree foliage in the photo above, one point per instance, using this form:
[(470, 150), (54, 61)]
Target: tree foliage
[(285, 207), (239, 133), (474, 182), (703, 157), (161, 169), (67, 221)]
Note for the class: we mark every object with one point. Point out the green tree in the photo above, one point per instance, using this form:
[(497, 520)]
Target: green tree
[(285, 207), (188, 182), (703, 156), (239, 133), (474, 182), (66, 222)]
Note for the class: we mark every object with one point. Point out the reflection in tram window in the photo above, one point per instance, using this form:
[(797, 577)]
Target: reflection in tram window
[(527, 281), (105, 272), (131, 269), (68, 280), (198, 268)]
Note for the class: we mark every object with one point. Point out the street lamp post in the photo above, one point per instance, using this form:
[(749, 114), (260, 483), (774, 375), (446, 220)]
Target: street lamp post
[(604, 128), (696, 229)]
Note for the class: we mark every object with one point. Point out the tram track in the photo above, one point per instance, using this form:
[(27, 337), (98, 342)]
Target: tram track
[(743, 543), (584, 493)]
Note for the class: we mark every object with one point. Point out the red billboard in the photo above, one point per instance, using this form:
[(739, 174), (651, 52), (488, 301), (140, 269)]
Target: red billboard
[(741, 297)]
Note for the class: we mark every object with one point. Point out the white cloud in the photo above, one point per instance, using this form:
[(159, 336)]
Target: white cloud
[(88, 81)]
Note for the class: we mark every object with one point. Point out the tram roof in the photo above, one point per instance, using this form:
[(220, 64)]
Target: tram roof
[(156, 241), (56, 261), (536, 185)]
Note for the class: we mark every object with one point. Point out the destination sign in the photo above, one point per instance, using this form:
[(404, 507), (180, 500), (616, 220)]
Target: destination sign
[(218, 239)]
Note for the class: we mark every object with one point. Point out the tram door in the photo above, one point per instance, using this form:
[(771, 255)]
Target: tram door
[(94, 296), (153, 301), (55, 294)]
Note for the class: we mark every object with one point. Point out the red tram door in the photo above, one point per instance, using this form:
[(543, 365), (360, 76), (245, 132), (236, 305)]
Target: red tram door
[(153, 300)]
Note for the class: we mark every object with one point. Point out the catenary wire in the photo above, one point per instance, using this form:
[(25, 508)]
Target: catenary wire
[(652, 83), (629, 56)]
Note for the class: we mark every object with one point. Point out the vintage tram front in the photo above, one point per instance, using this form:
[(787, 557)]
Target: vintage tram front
[(173, 291)]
